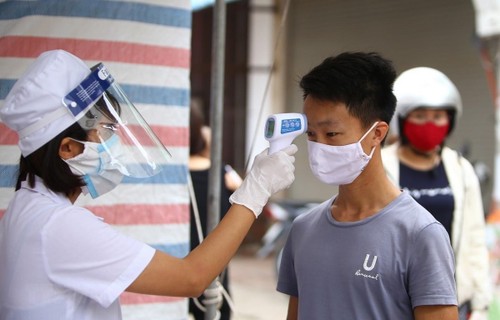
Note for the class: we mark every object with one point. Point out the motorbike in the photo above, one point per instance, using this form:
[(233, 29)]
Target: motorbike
[(281, 214)]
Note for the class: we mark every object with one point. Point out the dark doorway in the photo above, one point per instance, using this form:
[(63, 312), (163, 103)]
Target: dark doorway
[(235, 83)]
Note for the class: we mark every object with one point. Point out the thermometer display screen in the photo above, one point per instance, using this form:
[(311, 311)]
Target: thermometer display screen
[(270, 127)]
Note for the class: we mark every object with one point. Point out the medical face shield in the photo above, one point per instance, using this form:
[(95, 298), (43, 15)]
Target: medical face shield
[(103, 110)]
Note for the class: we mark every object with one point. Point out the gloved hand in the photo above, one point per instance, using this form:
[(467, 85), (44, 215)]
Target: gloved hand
[(479, 315), (269, 174)]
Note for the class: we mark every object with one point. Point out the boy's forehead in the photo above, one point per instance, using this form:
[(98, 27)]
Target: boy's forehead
[(331, 116), (325, 112)]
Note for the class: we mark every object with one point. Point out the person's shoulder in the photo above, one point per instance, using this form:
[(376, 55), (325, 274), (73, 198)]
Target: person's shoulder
[(454, 157), (311, 215), (448, 154), (410, 211)]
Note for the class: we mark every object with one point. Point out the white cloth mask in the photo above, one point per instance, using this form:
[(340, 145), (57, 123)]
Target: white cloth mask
[(100, 164), (338, 165)]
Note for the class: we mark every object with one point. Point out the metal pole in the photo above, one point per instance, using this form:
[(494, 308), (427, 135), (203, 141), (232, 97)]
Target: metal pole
[(216, 116)]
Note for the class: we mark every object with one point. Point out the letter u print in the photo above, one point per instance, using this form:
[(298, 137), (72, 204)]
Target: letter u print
[(365, 264)]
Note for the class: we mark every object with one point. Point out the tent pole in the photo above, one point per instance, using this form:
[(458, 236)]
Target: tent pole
[(216, 124)]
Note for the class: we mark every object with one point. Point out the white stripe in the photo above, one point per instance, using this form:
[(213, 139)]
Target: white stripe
[(124, 73), (124, 194), (166, 234), (10, 154), (125, 31), (8, 72), (182, 4), (169, 116), (148, 75), (174, 310), (180, 155), (140, 194), (6, 195)]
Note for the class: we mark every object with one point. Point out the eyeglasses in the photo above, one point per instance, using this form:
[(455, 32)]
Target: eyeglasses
[(102, 131)]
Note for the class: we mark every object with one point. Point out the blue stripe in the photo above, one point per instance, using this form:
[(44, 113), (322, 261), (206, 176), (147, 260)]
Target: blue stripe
[(5, 86), (136, 93), (170, 174), (177, 250), (8, 176), (157, 95), (129, 11)]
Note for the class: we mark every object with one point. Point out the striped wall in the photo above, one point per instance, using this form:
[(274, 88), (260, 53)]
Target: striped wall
[(146, 46)]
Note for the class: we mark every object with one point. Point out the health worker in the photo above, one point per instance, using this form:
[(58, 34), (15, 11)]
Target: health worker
[(79, 133)]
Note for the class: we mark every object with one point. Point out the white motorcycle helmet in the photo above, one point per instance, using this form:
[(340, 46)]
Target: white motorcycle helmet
[(424, 87)]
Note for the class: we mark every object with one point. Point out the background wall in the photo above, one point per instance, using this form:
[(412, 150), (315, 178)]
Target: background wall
[(146, 46)]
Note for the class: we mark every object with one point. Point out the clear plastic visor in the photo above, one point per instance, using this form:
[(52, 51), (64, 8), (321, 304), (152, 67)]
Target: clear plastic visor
[(103, 110)]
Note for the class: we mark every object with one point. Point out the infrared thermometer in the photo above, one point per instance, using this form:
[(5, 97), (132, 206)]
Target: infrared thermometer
[(282, 128)]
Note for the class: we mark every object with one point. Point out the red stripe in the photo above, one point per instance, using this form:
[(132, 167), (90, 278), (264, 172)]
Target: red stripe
[(129, 214), (169, 136), (7, 136), (32, 47), (134, 298), (126, 214), (172, 136)]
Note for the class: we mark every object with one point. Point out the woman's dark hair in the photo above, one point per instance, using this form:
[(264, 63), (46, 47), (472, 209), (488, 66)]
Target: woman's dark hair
[(46, 163), (196, 122)]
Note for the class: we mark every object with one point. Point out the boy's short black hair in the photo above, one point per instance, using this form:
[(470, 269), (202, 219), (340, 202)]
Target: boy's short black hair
[(363, 81)]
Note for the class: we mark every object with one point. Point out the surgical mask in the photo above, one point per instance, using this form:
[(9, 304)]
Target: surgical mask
[(425, 137), (100, 164), (338, 165)]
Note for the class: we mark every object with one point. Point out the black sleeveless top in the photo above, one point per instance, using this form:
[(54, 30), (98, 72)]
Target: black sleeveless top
[(430, 189), (200, 185)]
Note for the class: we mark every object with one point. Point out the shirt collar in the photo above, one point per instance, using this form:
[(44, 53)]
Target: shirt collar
[(42, 189)]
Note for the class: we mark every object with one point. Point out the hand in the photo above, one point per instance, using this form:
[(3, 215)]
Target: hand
[(269, 174), (232, 179), (479, 315)]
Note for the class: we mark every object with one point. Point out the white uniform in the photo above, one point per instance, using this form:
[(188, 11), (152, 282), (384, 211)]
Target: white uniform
[(59, 261)]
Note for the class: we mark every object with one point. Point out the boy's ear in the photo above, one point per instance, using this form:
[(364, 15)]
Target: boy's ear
[(69, 148), (381, 130)]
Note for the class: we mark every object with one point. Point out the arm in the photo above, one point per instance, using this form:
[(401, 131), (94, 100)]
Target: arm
[(293, 307), (431, 274), (167, 275), (189, 276), (438, 312)]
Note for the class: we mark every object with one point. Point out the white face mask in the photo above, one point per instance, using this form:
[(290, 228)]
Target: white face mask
[(100, 166), (338, 165)]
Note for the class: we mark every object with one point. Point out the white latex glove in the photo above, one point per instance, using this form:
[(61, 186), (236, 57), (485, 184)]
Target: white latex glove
[(269, 174), (479, 315)]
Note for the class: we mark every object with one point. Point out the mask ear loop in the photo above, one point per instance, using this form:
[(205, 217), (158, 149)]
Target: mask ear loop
[(364, 136), (367, 132)]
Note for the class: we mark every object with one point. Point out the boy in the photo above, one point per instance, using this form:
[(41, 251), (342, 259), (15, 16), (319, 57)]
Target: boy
[(371, 251)]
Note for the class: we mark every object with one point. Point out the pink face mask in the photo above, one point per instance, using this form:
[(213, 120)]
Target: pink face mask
[(425, 137)]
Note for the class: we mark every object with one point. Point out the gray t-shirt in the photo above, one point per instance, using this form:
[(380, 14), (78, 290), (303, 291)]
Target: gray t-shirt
[(378, 268)]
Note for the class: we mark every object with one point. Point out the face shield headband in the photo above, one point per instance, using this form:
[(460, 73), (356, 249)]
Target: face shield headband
[(103, 110)]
